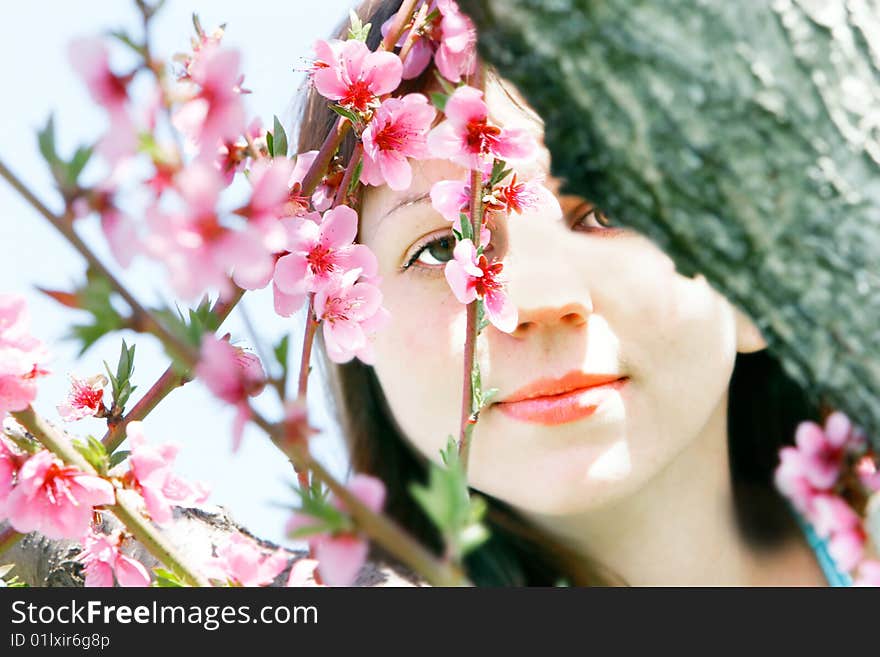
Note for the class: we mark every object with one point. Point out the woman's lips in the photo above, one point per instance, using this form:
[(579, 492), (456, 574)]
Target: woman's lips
[(563, 407)]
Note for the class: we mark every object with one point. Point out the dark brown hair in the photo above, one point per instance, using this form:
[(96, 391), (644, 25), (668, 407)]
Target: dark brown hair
[(764, 409)]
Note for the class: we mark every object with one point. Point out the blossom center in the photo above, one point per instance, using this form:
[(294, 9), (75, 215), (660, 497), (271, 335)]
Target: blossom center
[(358, 96), (321, 260), (479, 135)]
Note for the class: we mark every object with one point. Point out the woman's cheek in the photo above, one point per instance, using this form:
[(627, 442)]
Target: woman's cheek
[(419, 357)]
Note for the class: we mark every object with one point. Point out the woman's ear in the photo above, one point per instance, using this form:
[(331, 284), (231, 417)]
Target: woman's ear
[(748, 336)]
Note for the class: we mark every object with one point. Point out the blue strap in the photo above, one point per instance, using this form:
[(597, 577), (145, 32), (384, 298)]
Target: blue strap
[(835, 576)]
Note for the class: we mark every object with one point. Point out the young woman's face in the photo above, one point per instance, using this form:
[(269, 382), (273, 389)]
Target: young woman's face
[(591, 299)]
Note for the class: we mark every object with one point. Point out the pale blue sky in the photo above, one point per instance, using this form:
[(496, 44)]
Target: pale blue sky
[(275, 37)]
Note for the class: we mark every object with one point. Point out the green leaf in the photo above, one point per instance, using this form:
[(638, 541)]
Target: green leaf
[(46, 141), (445, 84), (347, 113), (118, 457), (467, 231), (314, 502), (94, 452), (357, 30), (77, 163), (447, 502), (281, 351), (280, 138), (499, 173), (355, 177), (124, 38), (439, 100), (167, 579), (270, 143), (482, 320)]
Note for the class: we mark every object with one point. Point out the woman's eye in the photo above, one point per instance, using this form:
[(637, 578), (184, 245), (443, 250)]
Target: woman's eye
[(590, 218), (436, 252)]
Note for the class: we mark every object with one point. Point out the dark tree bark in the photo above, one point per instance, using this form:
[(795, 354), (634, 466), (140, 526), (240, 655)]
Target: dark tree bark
[(742, 137)]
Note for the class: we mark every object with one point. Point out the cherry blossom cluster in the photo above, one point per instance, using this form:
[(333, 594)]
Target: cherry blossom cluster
[(830, 468)]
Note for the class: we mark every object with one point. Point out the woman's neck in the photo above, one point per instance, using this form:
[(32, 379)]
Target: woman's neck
[(680, 528)]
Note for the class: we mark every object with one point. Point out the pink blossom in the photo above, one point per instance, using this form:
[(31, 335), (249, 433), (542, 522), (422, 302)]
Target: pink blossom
[(104, 560), (823, 450), (215, 113), (518, 196), (397, 131), (467, 138), (232, 155), (457, 54), (302, 573), (835, 520), (90, 59), (350, 312), (268, 203), (341, 556), (319, 249), (242, 562), (791, 479), (9, 464), (233, 375), (21, 356), (869, 475), (349, 73), (868, 574), (154, 479), (450, 198), (196, 248), (471, 277), (85, 399), (450, 37), (55, 499), (119, 229), (322, 197)]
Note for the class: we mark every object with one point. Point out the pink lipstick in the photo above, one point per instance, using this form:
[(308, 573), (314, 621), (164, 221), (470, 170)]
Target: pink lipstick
[(556, 401)]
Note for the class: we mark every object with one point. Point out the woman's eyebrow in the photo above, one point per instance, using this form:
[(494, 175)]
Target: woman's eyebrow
[(409, 200)]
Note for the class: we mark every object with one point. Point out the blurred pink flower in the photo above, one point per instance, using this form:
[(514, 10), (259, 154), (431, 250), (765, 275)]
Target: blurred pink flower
[(350, 311), (868, 573), (791, 479), (103, 560), (9, 464), (154, 479), (466, 137), (85, 399), (55, 499), (302, 573), (836, 521), (397, 131), (349, 73), (823, 449), (242, 562), (471, 277), (196, 248), (233, 375), (341, 556), (91, 61), (215, 113), (21, 356)]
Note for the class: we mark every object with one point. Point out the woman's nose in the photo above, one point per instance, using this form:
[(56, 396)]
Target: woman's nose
[(547, 290)]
